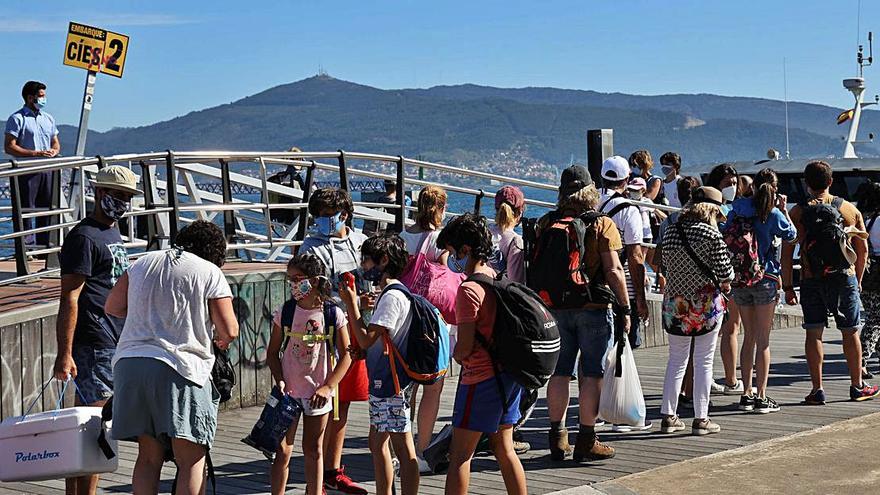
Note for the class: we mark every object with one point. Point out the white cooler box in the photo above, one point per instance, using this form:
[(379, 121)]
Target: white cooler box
[(54, 445)]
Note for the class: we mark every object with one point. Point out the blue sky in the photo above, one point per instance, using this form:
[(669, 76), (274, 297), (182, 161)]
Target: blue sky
[(186, 56)]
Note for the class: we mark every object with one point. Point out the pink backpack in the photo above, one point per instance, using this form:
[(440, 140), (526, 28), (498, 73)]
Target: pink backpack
[(433, 281)]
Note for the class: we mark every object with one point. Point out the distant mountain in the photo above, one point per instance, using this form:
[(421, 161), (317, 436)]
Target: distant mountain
[(474, 125), (820, 119)]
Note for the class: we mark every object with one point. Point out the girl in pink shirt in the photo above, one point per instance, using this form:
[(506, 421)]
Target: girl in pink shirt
[(308, 358)]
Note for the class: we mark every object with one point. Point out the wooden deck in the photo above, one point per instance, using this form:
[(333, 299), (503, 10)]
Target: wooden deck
[(242, 470)]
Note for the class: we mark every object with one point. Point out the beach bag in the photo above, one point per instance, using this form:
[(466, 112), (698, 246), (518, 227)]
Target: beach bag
[(425, 356), (826, 244), (525, 340), (433, 281), (742, 243), (557, 269), (621, 402), (63, 443), (223, 374), (278, 415), (697, 314)]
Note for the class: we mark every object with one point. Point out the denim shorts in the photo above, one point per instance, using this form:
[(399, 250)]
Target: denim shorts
[(835, 295), (588, 331), (764, 292), (479, 406), (153, 399), (94, 373)]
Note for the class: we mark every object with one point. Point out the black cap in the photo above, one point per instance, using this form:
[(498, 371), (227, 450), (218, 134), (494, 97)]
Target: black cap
[(574, 178)]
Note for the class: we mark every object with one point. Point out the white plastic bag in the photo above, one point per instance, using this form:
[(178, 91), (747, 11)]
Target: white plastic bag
[(622, 402)]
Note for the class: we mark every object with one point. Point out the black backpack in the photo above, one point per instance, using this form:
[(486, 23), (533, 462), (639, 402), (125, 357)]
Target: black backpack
[(223, 374), (557, 269), (525, 339), (825, 241)]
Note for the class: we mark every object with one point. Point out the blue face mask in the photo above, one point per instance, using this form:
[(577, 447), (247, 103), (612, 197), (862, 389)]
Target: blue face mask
[(456, 265), (330, 225), (40, 102)]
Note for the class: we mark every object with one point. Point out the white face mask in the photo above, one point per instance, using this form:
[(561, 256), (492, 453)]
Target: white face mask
[(634, 195), (728, 193)]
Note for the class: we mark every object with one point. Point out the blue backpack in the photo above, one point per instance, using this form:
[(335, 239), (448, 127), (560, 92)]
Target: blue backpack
[(424, 354)]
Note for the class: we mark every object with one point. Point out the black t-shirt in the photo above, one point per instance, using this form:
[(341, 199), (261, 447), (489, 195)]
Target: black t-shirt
[(96, 251)]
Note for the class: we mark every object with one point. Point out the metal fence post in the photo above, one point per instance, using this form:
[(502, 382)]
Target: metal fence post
[(307, 194), (171, 195), (21, 264), (149, 221), (477, 200), (52, 260), (343, 171), (400, 200), (226, 191)]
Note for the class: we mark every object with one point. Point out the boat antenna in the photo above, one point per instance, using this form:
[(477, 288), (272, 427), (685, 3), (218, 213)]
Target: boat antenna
[(785, 98)]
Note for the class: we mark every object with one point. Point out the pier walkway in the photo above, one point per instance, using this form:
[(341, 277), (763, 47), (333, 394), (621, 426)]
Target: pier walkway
[(242, 470)]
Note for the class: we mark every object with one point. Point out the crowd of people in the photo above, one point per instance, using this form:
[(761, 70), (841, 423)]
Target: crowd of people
[(720, 263)]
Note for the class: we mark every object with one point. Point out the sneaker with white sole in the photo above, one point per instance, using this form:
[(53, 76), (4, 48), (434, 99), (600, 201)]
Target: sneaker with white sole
[(765, 405), (737, 389), (671, 424), (627, 428), (704, 427), (716, 388)]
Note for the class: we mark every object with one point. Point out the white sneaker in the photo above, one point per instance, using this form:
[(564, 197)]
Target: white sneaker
[(734, 390), (716, 388), (627, 428), (424, 468)]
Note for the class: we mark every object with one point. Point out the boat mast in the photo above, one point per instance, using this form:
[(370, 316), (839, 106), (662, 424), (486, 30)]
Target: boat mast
[(856, 86)]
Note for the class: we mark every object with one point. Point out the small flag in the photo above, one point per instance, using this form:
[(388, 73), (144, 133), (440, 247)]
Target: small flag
[(845, 115)]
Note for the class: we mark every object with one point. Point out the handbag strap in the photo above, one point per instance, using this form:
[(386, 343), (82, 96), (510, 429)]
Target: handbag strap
[(696, 259)]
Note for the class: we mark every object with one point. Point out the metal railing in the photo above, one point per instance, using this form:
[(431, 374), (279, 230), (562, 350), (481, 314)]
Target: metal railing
[(176, 199)]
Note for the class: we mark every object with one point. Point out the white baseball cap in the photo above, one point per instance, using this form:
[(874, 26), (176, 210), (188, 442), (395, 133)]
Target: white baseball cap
[(615, 168)]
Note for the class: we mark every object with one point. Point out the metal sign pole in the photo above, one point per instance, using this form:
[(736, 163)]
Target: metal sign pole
[(91, 76), (75, 178)]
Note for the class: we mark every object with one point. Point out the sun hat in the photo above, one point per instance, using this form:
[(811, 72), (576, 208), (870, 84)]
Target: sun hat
[(118, 178)]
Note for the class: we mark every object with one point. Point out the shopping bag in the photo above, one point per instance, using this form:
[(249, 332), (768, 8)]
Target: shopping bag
[(621, 402), (278, 415)]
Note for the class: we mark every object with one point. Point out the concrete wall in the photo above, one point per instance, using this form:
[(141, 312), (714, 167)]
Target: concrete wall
[(27, 345)]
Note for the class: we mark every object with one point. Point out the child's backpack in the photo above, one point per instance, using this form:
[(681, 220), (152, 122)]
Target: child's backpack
[(557, 269), (525, 340), (742, 243), (425, 355), (825, 246)]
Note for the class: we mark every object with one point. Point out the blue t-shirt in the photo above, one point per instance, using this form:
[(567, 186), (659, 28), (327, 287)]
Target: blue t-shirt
[(777, 226), (96, 251), (33, 131)]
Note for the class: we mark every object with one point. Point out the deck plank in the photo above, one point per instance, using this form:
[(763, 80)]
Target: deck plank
[(241, 470)]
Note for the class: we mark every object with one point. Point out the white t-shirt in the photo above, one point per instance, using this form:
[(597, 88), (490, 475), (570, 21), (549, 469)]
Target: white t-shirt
[(168, 318), (393, 311), (414, 241), (874, 236), (628, 220), (671, 191)]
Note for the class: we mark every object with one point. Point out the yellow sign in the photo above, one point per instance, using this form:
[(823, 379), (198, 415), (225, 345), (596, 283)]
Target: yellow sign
[(95, 49)]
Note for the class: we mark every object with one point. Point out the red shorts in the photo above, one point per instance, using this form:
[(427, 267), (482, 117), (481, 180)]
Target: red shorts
[(355, 386)]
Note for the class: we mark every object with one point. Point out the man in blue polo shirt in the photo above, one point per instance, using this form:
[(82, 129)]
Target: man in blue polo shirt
[(31, 133)]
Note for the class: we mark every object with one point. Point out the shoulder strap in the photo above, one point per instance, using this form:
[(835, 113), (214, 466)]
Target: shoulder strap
[(696, 259), (288, 309), (620, 207), (613, 196), (837, 202)]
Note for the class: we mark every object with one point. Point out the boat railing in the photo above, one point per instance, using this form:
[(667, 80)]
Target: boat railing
[(251, 232)]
